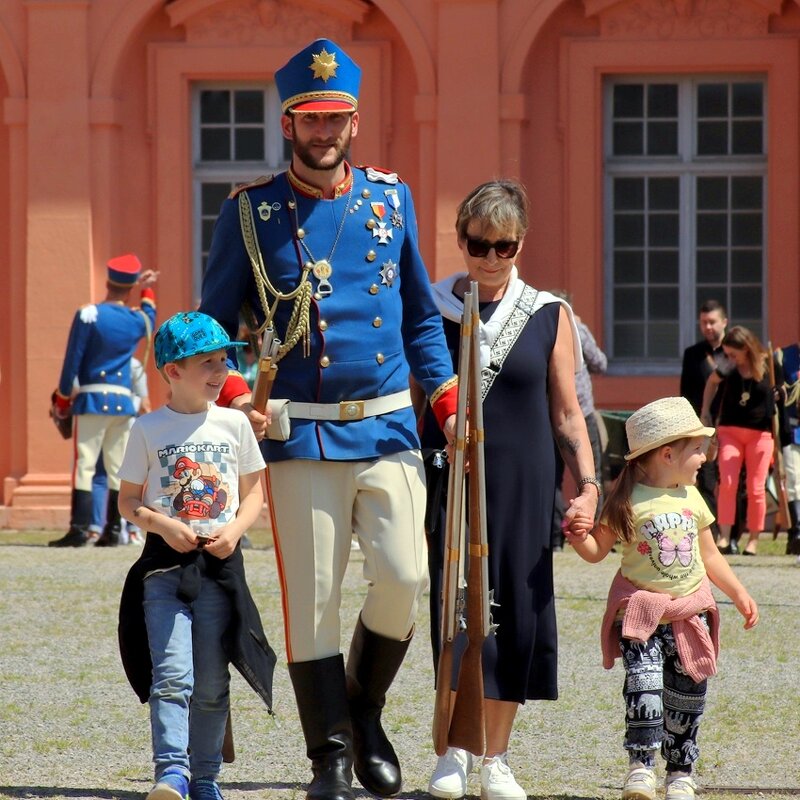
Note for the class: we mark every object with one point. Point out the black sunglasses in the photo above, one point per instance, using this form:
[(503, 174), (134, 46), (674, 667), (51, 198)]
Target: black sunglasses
[(479, 248)]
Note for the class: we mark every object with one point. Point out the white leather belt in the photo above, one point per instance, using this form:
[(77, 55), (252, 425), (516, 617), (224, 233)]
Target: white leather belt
[(350, 410), (104, 387)]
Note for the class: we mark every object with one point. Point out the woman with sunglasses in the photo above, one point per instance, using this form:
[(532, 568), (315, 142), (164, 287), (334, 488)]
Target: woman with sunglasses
[(531, 399)]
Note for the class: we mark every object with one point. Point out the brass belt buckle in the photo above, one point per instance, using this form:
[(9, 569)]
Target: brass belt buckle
[(350, 410)]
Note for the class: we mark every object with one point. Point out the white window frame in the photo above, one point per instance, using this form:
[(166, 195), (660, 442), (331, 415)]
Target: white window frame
[(687, 166), (232, 172)]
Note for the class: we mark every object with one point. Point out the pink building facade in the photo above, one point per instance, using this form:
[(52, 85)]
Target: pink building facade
[(658, 140)]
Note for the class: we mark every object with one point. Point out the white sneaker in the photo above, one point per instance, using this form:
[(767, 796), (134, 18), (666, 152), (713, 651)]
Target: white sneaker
[(449, 779), (680, 788), (640, 784), (497, 780)]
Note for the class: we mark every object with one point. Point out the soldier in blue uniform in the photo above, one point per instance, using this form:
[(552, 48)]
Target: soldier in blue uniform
[(101, 342), (788, 360), (326, 256)]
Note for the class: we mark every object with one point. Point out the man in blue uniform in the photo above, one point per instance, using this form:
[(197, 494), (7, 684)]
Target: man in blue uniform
[(788, 359), (101, 342), (327, 255)]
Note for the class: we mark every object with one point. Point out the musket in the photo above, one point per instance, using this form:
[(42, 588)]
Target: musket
[(454, 532), (468, 719), (782, 518), (459, 718), (267, 370)]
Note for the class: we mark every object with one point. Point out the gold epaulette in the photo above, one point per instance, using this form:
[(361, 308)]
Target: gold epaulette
[(264, 180)]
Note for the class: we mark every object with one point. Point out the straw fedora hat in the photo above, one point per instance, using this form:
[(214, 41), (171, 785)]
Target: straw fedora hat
[(661, 422)]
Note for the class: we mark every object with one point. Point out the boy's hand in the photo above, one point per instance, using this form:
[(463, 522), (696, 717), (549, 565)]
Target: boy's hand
[(747, 607), (178, 535), (223, 543), (258, 421)]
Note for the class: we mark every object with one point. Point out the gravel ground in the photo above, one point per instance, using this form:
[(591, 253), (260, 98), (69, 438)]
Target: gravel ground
[(70, 727)]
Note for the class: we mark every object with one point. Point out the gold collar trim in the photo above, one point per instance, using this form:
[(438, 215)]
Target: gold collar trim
[(309, 190)]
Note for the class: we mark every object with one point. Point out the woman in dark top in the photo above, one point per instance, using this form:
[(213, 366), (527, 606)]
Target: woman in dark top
[(531, 400), (744, 429)]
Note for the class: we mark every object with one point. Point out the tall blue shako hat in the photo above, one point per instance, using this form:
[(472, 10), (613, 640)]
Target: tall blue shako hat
[(321, 77)]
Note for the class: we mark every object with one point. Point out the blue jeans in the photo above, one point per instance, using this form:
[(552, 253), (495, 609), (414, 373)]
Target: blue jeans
[(188, 665)]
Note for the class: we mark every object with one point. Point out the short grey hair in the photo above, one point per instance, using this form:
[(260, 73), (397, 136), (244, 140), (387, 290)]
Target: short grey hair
[(496, 205)]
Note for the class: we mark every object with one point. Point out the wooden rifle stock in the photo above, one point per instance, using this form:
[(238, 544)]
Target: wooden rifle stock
[(782, 517), (459, 718), (468, 721), (267, 371), (452, 552)]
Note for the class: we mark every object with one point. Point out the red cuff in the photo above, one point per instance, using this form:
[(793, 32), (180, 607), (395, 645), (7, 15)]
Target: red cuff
[(149, 294), (235, 386), (445, 406), (62, 403)]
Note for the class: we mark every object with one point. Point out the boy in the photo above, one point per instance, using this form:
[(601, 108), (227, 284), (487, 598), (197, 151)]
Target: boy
[(191, 478)]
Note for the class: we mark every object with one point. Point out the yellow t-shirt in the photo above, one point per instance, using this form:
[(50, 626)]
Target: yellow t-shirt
[(665, 556)]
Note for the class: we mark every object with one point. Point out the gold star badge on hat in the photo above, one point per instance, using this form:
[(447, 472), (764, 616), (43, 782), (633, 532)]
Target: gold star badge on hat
[(324, 65)]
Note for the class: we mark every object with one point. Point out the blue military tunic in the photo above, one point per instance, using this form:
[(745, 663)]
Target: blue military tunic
[(102, 340), (379, 320)]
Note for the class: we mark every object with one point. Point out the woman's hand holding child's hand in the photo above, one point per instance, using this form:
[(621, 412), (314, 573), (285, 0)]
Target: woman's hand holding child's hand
[(578, 521), (577, 528)]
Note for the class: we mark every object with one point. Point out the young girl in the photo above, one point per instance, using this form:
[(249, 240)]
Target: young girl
[(660, 612)]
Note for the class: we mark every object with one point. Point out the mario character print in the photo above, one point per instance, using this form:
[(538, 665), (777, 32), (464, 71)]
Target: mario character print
[(199, 492)]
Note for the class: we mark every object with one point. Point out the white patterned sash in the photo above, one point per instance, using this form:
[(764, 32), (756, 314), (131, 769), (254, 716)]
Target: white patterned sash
[(509, 333)]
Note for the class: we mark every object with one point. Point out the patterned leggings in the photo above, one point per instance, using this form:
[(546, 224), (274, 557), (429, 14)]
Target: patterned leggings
[(663, 704)]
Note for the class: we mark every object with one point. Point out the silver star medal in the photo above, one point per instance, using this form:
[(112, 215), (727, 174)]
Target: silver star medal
[(388, 272), (393, 199)]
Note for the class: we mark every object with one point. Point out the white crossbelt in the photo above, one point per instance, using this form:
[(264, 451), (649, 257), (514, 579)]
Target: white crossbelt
[(104, 387), (351, 410)]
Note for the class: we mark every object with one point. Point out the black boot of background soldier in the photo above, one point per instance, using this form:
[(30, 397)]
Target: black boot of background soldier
[(80, 519), (113, 526), (793, 540), (371, 667), (319, 687)]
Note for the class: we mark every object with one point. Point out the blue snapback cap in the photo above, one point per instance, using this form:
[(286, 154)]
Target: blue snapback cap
[(189, 334)]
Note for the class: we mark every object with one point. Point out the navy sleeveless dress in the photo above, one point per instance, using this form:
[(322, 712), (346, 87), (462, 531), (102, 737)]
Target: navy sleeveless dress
[(520, 659)]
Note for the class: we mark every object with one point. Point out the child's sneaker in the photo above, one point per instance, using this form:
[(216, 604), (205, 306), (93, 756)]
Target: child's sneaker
[(172, 785), (204, 789), (497, 780), (681, 788), (640, 784)]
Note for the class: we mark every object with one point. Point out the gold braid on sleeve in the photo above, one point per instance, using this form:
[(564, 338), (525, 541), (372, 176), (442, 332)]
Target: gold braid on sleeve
[(440, 390)]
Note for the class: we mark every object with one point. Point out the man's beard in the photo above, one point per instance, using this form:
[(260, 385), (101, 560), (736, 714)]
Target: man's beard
[(310, 160)]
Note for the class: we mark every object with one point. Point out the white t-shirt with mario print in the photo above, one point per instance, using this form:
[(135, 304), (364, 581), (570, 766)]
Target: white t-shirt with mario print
[(190, 463)]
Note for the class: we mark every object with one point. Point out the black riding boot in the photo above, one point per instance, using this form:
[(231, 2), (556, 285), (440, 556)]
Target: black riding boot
[(793, 540), (79, 520), (371, 666), (113, 526), (321, 693)]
